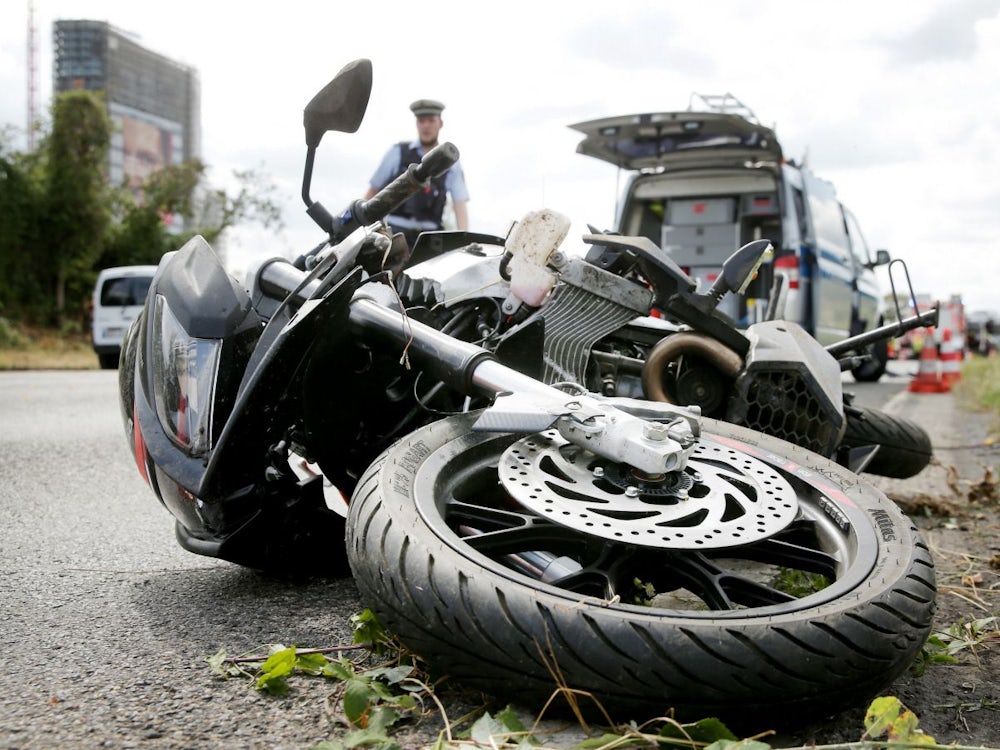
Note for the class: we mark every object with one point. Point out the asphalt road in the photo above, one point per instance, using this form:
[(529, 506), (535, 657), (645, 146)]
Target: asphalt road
[(106, 623)]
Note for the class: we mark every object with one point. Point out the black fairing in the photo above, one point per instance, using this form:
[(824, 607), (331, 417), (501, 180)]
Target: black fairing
[(204, 298), (240, 501), (209, 304)]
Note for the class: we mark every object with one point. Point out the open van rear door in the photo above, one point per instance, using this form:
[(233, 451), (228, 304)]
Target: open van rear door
[(670, 140)]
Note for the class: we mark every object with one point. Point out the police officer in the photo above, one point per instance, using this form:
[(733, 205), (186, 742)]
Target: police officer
[(423, 211)]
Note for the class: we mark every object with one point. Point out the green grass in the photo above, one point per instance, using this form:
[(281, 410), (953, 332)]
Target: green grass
[(27, 348), (979, 387)]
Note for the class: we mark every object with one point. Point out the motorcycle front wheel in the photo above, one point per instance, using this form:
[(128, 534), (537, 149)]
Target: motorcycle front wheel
[(766, 586)]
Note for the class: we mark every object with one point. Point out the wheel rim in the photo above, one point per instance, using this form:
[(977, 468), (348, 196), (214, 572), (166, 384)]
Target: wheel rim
[(826, 543)]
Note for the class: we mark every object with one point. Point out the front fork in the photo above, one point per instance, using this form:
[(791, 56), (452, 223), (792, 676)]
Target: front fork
[(660, 441)]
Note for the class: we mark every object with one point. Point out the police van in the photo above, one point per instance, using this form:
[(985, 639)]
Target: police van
[(706, 182), (119, 295)]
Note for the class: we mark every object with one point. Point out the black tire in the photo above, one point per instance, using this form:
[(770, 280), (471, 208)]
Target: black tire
[(458, 602), (108, 361), (873, 368), (904, 446)]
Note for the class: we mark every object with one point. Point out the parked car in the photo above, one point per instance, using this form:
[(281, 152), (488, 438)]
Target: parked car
[(119, 295), (706, 182), (982, 332)]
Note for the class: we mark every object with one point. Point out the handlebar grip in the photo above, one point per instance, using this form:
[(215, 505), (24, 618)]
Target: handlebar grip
[(435, 162)]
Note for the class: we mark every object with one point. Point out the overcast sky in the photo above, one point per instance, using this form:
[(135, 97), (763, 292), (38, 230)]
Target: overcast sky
[(895, 101)]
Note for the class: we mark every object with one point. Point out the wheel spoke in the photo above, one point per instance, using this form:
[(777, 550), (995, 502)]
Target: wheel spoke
[(722, 589), (752, 594), (496, 532), (608, 575), (795, 547), (702, 577), (520, 537), (587, 582), (795, 556)]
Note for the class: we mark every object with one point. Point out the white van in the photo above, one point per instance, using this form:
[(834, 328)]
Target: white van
[(119, 295), (707, 182)]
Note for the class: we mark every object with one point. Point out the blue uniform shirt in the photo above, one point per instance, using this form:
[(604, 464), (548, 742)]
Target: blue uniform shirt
[(389, 169)]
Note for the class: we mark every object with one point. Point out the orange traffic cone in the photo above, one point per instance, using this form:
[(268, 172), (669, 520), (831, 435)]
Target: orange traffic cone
[(951, 357), (928, 378)]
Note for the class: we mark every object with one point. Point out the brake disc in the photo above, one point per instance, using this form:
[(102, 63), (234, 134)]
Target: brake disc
[(723, 498)]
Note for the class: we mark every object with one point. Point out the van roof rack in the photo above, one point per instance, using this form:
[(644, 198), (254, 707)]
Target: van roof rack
[(724, 103)]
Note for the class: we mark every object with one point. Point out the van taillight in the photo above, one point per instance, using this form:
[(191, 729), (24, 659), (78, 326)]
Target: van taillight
[(789, 266)]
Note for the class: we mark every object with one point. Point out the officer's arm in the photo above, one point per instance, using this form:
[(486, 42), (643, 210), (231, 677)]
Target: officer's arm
[(461, 214)]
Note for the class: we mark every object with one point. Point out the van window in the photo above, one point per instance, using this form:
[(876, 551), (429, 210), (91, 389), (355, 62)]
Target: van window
[(828, 225), (799, 201), (125, 292), (858, 245)]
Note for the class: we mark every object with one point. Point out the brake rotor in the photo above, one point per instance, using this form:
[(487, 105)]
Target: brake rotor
[(723, 498)]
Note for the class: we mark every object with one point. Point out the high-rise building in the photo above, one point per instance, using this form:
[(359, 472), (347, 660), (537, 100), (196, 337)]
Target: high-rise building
[(153, 101)]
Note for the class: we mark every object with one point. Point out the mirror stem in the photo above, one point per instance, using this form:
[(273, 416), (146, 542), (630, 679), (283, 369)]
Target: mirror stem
[(307, 175), (315, 210)]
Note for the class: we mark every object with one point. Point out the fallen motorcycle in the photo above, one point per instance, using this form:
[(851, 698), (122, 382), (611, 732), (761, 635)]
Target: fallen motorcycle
[(584, 319), (517, 534)]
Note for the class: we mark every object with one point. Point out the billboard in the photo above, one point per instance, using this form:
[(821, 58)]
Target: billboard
[(142, 143)]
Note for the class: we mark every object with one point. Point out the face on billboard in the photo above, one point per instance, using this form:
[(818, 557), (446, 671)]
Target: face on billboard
[(146, 147), (141, 144)]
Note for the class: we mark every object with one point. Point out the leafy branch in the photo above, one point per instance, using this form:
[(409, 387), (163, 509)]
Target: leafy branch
[(372, 701)]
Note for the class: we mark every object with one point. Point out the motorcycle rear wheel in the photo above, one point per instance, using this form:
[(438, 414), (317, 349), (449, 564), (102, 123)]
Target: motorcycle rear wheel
[(873, 368), (904, 446), (724, 643)]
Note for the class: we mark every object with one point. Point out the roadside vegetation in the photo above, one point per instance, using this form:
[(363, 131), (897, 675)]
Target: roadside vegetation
[(64, 221), (979, 388), (380, 691), (37, 348)]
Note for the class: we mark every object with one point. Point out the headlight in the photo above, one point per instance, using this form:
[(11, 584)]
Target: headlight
[(185, 371)]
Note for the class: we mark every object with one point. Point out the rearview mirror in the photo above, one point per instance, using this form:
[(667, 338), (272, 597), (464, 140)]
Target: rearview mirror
[(740, 268), (341, 104)]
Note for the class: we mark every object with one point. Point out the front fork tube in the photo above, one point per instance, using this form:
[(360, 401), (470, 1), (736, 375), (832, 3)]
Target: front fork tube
[(653, 446)]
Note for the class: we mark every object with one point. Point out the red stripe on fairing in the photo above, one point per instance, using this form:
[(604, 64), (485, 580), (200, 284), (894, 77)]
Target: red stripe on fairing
[(790, 466), (140, 446)]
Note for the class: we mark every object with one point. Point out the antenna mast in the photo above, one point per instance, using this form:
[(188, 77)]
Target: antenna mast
[(32, 70)]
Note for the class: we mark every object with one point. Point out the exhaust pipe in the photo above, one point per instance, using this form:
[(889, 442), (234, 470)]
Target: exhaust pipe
[(676, 345)]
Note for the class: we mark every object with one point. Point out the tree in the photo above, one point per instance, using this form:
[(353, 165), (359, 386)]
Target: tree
[(21, 194), (63, 222), (77, 206), (217, 210), (141, 235)]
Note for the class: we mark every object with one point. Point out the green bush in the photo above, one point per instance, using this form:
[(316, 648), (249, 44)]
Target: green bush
[(10, 336)]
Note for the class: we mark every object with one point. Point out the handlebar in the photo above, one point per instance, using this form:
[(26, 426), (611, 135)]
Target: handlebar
[(883, 333), (435, 162)]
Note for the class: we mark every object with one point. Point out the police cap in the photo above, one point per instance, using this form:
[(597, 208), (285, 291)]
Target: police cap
[(426, 107)]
